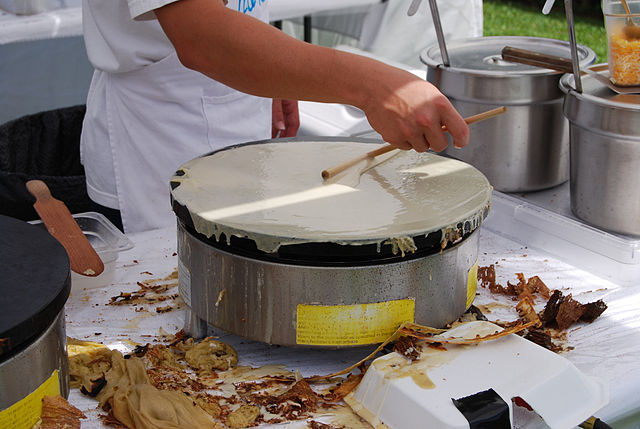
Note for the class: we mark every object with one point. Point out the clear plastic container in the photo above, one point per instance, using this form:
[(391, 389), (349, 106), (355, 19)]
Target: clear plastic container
[(106, 239), (623, 39), (543, 220)]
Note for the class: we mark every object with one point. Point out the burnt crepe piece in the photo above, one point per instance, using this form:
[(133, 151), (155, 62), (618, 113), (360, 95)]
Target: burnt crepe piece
[(58, 413)]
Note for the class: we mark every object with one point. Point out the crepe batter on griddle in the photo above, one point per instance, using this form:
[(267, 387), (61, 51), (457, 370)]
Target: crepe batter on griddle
[(273, 194)]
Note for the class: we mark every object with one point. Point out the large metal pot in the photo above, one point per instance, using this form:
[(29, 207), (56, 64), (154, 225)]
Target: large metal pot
[(605, 155), (269, 251), (35, 278), (527, 148)]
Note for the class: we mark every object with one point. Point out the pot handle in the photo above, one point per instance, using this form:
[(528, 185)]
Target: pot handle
[(532, 58), (433, 5), (413, 8), (568, 7)]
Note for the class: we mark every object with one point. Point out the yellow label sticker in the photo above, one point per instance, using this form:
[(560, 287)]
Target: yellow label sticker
[(26, 412), (472, 283), (360, 324)]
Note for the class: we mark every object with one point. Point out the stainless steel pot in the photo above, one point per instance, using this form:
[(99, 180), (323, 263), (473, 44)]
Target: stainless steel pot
[(605, 155), (527, 148)]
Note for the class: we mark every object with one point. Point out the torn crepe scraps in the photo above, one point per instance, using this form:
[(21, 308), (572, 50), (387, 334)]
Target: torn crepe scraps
[(559, 314), (408, 347), (563, 311), (218, 392), (319, 425), (88, 362), (131, 399), (153, 291), (58, 413), (523, 288), (431, 336), (243, 416), (108, 420), (201, 379)]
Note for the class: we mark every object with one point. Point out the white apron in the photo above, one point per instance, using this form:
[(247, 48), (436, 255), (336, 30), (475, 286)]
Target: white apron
[(162, 115)]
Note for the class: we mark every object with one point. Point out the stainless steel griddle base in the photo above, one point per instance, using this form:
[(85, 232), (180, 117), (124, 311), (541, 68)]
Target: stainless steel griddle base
[(258, 300), (25, 372)]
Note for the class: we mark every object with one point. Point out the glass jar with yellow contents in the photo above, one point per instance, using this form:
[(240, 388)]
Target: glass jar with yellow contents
[(622, 20)]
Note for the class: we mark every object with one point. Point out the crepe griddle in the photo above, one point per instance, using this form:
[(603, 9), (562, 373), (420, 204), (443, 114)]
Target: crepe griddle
[(35, 279)]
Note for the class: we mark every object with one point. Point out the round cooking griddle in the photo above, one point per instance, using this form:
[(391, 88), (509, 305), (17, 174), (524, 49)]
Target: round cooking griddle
[(267, 200), (35, 279)]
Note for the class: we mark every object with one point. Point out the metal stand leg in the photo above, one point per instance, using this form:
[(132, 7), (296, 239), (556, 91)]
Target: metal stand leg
[(307, 28), (194, 326)]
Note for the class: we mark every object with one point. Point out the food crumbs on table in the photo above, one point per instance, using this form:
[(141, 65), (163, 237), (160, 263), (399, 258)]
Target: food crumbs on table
[(559, 314)]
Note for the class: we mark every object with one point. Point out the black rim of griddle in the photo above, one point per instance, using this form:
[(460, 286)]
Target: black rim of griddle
[(320, 253), (36, 282), (327, 254)]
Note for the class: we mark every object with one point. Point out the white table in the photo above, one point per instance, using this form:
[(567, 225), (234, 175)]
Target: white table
[(608, 348), (65, 22), (287, 9)]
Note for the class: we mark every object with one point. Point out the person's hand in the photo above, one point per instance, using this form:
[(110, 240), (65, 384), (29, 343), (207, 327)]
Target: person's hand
[(409, 112), (285, 118)]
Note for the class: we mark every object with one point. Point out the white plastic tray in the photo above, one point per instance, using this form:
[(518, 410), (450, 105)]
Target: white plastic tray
[(512, 366), (543, 220)]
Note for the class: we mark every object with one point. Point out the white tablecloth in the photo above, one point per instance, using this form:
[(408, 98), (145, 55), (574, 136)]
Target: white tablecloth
[(608, 348)]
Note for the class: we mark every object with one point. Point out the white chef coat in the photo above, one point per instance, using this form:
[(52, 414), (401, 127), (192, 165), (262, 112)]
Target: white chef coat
[(147, 114)]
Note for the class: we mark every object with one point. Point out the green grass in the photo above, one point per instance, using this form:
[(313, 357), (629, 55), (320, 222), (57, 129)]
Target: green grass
[(509, 18)]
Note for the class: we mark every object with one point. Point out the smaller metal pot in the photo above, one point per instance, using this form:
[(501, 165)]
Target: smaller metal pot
[(527, 148), (605, 155)]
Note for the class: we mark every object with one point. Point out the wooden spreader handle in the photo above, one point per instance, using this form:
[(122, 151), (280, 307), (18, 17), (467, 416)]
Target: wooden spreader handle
[(56, 217)]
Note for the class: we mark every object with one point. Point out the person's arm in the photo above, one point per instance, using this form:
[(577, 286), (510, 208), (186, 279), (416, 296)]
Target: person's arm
[(251, 56)]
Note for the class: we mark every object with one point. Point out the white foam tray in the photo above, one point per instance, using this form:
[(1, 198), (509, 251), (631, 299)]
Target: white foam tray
[(557, 391)]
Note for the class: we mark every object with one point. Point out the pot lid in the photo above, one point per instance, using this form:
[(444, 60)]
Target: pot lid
[(483, 55), (598, 92), (35, 278), (272, 193)]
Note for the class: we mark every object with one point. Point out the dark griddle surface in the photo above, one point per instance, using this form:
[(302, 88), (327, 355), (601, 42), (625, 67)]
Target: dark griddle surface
[(34, 283)]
